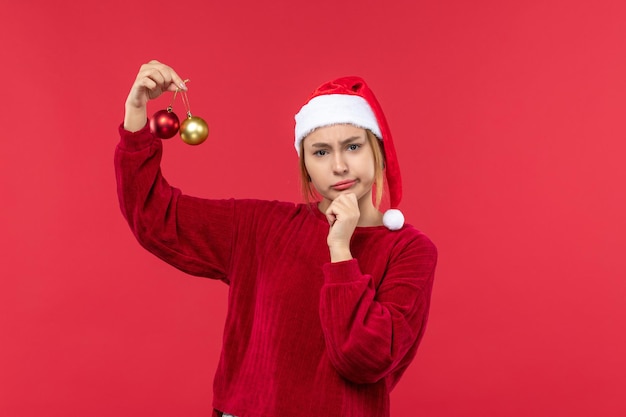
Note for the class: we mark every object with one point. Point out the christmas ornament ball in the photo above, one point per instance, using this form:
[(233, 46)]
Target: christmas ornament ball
[(194, 130), (164, 124)]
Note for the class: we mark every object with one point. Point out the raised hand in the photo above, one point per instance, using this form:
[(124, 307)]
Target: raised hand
[(153, 79)]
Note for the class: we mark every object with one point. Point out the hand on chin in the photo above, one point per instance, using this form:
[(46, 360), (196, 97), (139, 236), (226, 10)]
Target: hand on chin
[(343, 215)]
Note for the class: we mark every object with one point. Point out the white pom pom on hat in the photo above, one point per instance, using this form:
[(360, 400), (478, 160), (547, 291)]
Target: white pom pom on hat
[(393, 219), (350, 100)]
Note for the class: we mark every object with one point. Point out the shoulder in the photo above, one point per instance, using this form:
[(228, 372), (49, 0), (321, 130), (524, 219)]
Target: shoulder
[(416, 238), (408, 246), (407, 237), (409, 243)]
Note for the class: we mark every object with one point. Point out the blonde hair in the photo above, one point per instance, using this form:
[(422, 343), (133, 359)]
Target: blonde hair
[(309, 193)]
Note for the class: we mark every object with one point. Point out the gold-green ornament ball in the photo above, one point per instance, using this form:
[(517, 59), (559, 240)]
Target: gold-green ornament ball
[(194, 130)]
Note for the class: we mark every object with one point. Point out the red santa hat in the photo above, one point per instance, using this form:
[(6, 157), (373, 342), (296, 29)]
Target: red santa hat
[(350, 100)]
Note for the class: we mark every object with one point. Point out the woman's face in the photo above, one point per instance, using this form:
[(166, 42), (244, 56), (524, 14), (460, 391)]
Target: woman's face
[(339, 159)]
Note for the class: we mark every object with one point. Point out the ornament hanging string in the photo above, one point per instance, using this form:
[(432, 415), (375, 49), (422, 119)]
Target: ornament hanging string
[(183, 95), (169, 108)]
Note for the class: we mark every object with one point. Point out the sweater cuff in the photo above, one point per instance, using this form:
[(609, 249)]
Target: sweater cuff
[(136, 141), (342, 272)]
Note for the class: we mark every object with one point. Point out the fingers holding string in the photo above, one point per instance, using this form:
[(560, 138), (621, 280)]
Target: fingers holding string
[(164, 76)]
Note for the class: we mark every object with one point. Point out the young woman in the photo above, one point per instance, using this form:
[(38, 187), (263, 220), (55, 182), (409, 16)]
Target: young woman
[(328, 300)]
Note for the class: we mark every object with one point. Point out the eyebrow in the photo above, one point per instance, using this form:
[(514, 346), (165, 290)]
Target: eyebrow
[(343, 142)]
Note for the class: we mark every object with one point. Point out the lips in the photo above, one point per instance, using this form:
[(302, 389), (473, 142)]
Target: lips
[(343, 185)]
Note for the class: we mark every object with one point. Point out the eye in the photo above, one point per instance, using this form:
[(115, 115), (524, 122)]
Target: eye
[(321, 152), (353, 146)]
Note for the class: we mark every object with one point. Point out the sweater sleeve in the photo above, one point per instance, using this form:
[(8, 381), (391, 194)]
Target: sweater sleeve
[(192, 234), (373, 333)]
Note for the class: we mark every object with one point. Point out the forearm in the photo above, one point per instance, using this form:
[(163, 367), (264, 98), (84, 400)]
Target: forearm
[(134, 117), (143, 194)]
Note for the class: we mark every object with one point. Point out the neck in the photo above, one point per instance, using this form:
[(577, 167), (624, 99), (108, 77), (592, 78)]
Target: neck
[(370, 216)]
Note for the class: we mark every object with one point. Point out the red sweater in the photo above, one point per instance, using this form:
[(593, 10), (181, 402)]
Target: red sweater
[(303, 337)]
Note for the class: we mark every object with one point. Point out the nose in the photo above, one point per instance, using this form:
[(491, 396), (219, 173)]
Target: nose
[(339, 164)]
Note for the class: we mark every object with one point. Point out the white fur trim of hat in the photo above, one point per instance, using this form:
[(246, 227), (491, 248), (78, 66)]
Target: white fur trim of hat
[(333, 109)]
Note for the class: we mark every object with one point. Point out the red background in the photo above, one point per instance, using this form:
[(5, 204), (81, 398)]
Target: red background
[(508, 119)]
